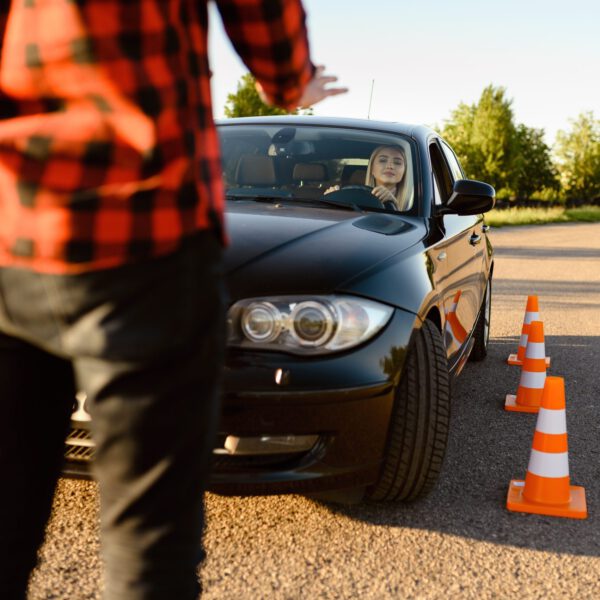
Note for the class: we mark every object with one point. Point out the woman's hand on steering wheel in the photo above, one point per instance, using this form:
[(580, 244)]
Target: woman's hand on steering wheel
[(384, 194), (333, 188)]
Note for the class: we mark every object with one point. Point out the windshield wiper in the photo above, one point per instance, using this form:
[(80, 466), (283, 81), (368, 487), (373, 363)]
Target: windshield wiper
[(254, 197), (342, 205), (288, 197)]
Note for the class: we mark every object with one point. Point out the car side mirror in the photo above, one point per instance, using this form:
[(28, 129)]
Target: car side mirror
[(470, 197)]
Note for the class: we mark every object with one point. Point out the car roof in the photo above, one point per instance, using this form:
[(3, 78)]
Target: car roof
[(418, 132)]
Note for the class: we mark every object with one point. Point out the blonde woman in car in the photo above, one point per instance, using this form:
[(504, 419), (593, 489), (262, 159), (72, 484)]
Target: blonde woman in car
[(385, 174)]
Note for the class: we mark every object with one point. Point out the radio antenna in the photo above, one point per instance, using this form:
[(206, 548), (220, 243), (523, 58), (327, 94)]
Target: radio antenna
[(371, 98)]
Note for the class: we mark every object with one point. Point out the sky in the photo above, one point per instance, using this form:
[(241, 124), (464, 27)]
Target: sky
[(422, 59)]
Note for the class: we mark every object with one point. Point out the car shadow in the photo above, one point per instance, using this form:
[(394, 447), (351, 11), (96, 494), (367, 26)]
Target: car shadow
[(489, 446)]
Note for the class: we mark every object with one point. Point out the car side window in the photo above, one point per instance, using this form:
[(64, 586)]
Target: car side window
[(437, 196), (457, 172), (441, 175)]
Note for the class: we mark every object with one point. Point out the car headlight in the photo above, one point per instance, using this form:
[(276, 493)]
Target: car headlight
[(261, 322), (305, 324)]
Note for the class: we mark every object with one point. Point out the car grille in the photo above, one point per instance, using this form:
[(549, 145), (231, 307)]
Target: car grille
[(79, 448)]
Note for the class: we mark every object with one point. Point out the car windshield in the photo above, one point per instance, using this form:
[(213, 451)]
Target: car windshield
[(328, 165)]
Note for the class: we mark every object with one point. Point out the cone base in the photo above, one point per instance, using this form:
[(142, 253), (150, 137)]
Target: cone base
[(513, 361), (575, 509), (511, 404)]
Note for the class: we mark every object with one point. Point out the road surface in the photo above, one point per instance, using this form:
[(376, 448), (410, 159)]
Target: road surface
[(460, 542)]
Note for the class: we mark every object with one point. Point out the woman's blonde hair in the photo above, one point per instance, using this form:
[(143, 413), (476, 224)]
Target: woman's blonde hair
[(400, 188)]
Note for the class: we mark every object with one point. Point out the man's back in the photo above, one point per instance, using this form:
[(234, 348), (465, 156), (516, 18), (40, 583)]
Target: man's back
[(108, 155), (108, 152)]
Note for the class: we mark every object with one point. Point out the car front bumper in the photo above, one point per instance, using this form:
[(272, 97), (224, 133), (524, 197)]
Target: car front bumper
[(343, 402)]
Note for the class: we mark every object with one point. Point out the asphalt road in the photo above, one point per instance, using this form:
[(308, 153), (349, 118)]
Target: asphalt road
[(460, 542)]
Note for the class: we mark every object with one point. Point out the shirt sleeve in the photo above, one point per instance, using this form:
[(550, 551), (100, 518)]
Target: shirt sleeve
[(271, 38)]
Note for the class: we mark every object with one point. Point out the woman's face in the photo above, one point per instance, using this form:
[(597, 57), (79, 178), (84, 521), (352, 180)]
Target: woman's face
[(388, 167)]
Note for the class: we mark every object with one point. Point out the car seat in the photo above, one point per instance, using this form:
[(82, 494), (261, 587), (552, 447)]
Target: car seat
[(353, 175), (255, 170), (310, 179)]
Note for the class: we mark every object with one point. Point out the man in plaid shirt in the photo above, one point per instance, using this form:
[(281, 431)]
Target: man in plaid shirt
[(111, 209)]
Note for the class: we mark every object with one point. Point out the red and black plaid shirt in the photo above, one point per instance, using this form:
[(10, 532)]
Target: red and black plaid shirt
[(108, 151)]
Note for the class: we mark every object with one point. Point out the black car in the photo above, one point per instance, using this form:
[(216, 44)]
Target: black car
[(349, 313)]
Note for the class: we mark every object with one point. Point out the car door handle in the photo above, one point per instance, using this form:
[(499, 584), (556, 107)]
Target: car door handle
[(474, 239)]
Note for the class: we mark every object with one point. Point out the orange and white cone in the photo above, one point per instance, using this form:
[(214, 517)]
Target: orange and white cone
[(532, 313), (454, 328), (547, 489), (533, 374)]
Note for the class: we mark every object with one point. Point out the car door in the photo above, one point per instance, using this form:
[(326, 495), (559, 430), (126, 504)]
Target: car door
[(462, 252)]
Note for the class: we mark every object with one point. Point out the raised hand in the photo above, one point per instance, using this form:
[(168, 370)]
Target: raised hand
[(317, 90)]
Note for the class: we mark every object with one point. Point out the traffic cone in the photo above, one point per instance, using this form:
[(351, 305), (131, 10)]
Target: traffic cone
[(546, 489), (531, 314), (454, 328), (533, 374)]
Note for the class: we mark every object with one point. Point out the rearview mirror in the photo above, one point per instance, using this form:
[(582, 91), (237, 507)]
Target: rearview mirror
[(470, 197)]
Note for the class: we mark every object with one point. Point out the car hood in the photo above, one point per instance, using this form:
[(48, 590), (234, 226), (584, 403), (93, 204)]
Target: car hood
[(281, 249)]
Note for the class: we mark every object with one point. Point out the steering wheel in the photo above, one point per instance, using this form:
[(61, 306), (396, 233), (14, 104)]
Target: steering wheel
[(360, 196), (358, 186)]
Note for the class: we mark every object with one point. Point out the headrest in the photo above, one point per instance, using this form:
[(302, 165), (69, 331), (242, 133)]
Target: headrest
[(353, 175), (309, 172), (255, 170)]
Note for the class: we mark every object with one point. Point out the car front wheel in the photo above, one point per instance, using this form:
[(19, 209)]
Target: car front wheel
[(419, 424)]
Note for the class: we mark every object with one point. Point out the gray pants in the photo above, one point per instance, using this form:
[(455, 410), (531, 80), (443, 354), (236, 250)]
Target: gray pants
[(145, 343)]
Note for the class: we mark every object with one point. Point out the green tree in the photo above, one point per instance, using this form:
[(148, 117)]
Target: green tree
[(492, 148), (484, 137), (532, 169), (458, 130), (494, 138), (578, 158), (246, 102)]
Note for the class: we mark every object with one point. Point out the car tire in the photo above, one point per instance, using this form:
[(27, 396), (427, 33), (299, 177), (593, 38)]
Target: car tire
[(481, 334), (420, 422)]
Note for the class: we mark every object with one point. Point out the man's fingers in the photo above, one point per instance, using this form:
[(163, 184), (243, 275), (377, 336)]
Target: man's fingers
[(326, 79), (336, 91), (261, 92)]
